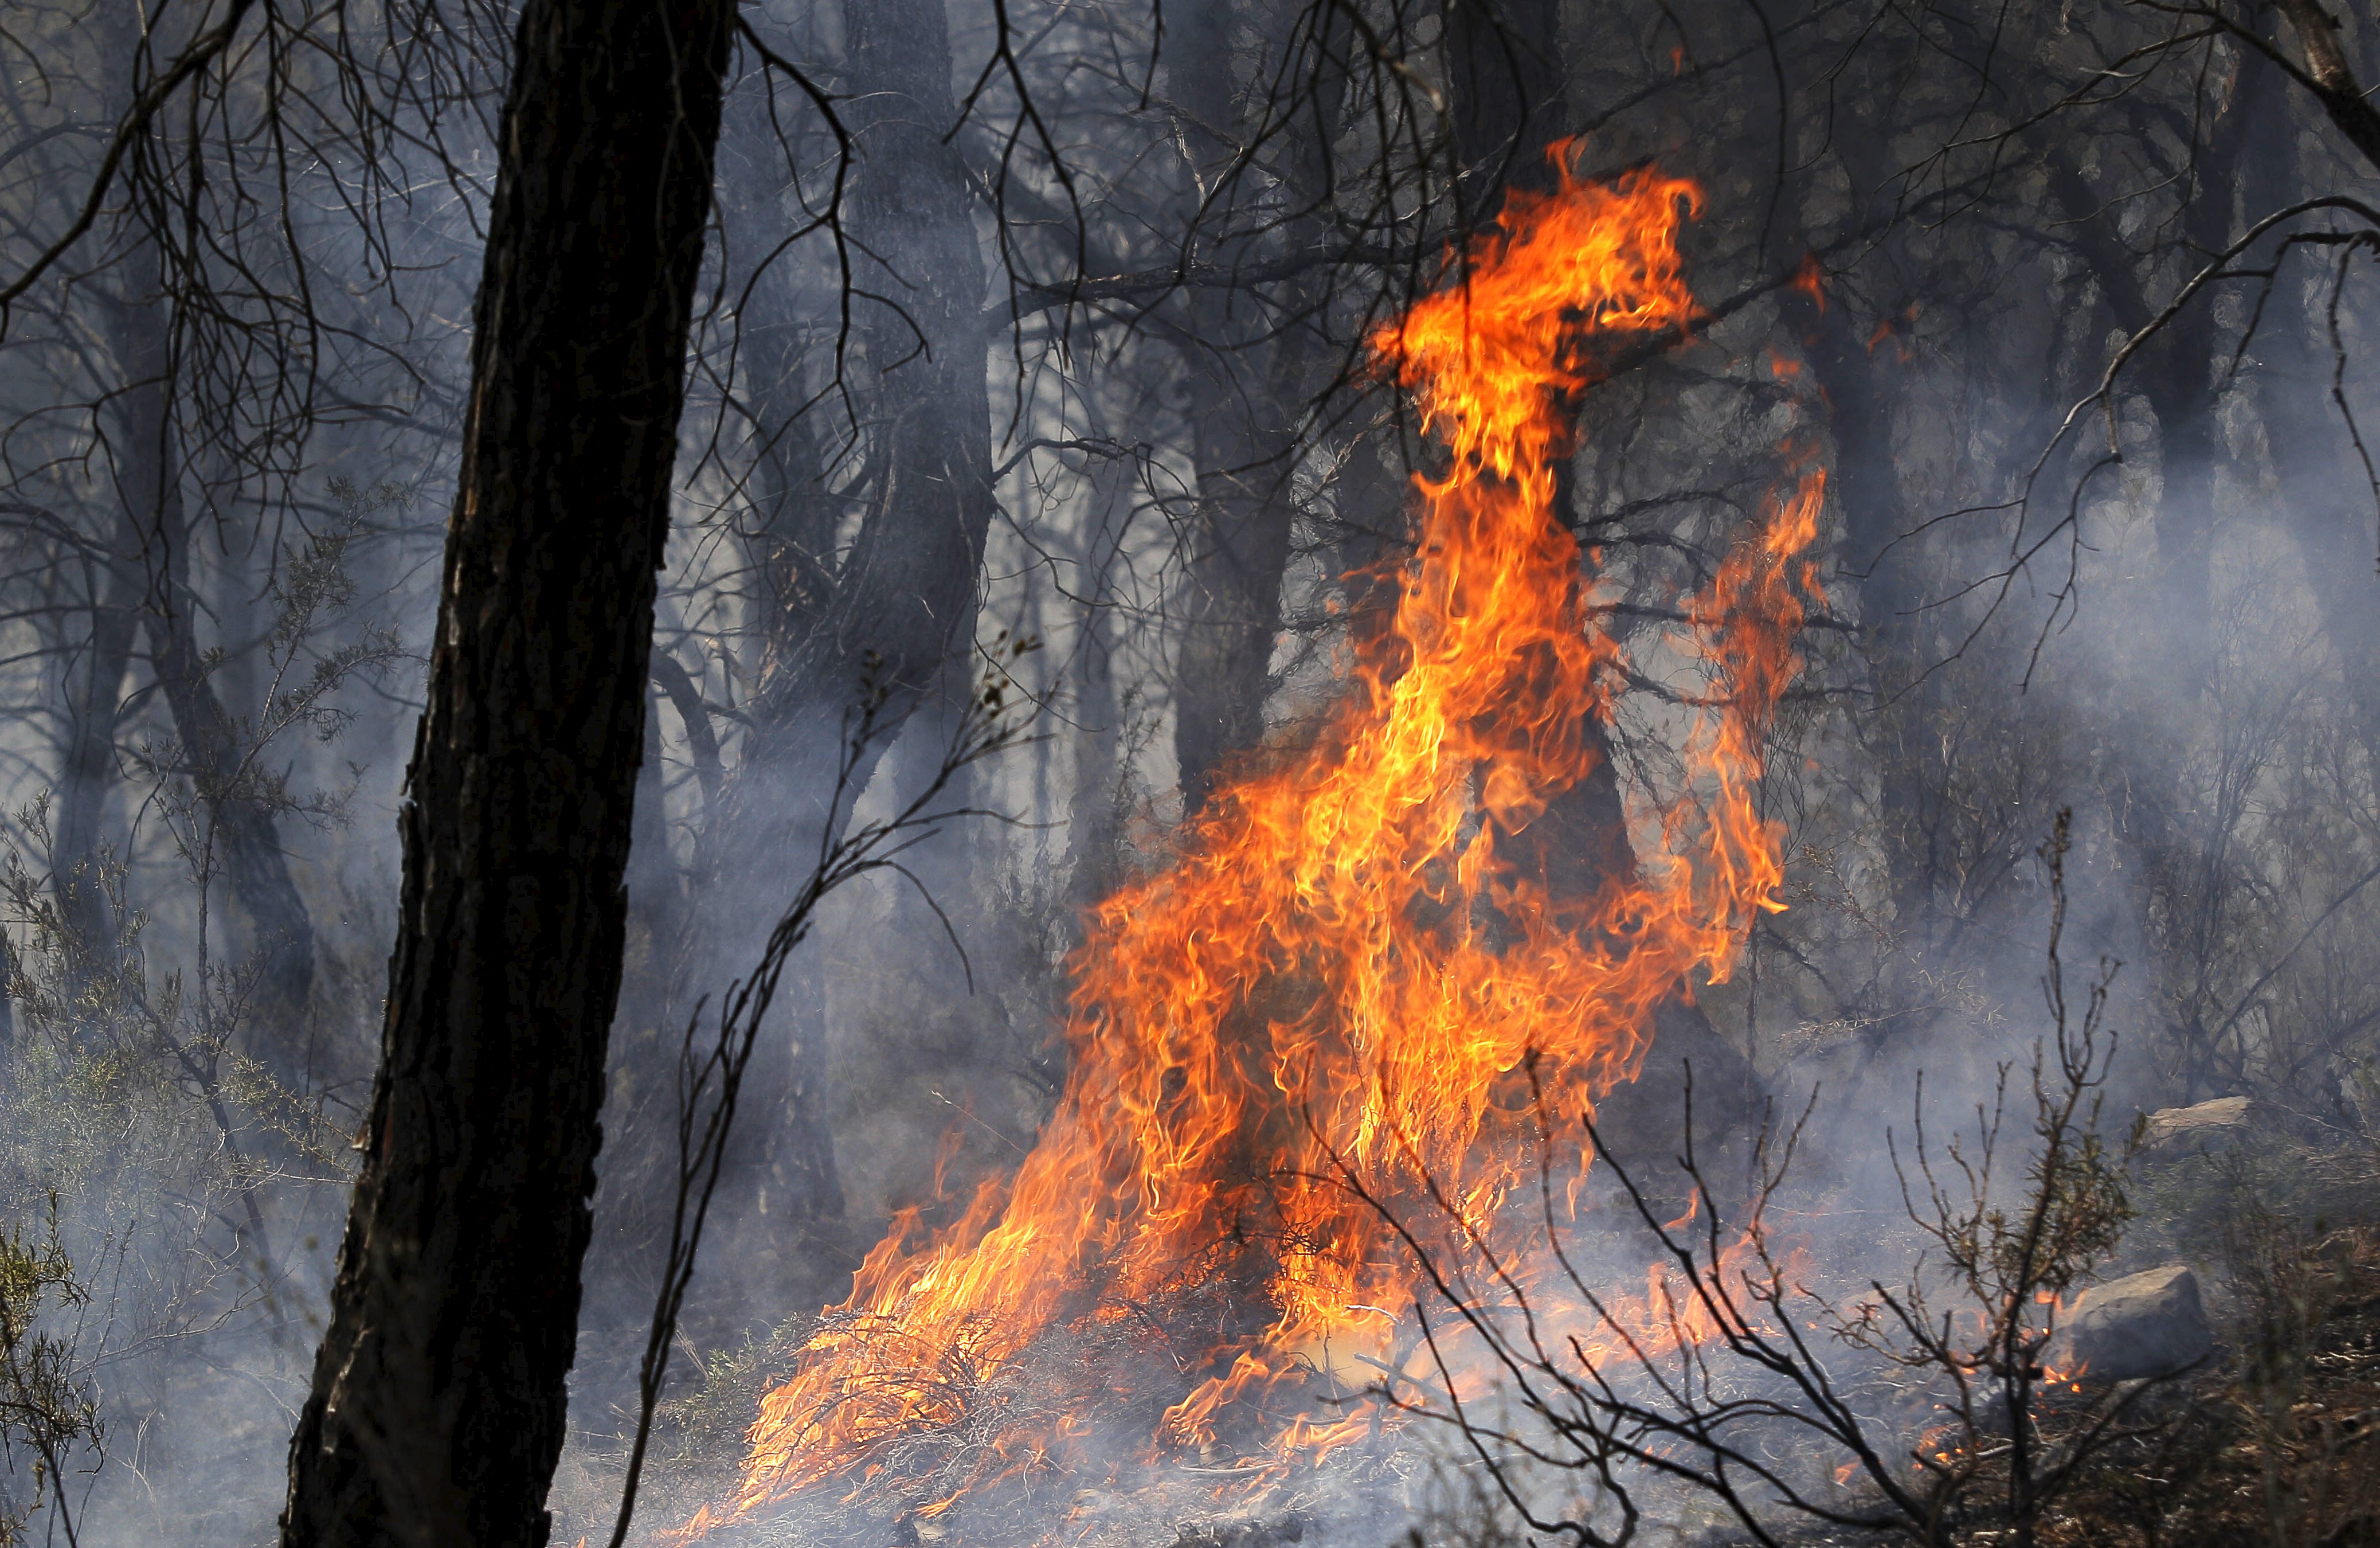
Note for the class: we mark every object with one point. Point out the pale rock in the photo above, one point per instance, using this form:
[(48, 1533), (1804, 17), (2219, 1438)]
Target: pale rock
[(2143, 1324)]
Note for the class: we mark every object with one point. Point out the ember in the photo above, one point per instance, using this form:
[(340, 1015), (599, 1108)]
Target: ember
[(1337, 993)]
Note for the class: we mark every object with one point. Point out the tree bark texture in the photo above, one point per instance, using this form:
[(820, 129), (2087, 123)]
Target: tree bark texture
[(1505, 63), (2335, 85), (438, 1403)]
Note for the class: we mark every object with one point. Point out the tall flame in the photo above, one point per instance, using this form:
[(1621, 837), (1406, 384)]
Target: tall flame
[(1339, 990)]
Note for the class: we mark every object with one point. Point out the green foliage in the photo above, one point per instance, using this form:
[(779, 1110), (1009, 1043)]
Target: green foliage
[(49, 1409), (703, 1426)]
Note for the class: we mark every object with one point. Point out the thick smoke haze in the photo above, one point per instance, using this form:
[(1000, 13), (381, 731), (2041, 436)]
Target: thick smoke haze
[(1034, 403)]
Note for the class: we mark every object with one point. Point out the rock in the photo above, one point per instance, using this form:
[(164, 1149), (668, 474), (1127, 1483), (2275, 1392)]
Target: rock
[(2143, 1324), (2209, 1126)]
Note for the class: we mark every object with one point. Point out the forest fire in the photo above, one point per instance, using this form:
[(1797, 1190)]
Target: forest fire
[(1357, 982), (533, 552)]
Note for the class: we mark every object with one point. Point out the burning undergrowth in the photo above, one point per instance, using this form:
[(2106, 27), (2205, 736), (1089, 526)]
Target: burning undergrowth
[(1040, 1445), (1373, 970)]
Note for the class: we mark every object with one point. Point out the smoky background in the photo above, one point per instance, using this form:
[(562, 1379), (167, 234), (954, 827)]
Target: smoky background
[(1033, 366)]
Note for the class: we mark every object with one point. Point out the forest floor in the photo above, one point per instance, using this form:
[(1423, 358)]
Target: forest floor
[(2274, 1439), (2229, 1458)]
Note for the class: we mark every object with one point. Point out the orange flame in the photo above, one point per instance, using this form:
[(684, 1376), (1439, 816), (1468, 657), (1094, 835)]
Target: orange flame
[(1338, 983)]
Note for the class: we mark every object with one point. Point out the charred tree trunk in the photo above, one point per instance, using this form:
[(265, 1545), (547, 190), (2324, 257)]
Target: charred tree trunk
[(95, 709), (1093, 863), (1847, 357), (1509, 55), (1505, 64), (903, 600), (1237, 538), (657, 905), (2321, 485), (148, 584), (2333, 77), (243, 841), (1238, 546), (439, 1397), (2175, 373)]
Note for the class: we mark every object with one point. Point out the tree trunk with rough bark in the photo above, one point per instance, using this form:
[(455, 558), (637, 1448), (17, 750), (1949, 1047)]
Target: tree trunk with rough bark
[(2335, 86), (1505, 60), (439, 1397)]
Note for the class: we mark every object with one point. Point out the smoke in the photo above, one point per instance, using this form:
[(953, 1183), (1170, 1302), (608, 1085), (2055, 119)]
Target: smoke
[(2176, 646)]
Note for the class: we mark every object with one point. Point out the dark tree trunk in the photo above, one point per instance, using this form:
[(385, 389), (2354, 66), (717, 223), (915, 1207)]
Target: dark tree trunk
[(243, 844), (2153, 813), (1505, 64), (2176, 371), (439, 1397), (886, 622), (1509, 56), (1254, 366), (656, 888), (644, 1036), (89, 773), (1093, 863), (1843, 356), (2320, 481), (2334, 83), (1239, 543), (1860, 480), (903, 600), (1239, 527)]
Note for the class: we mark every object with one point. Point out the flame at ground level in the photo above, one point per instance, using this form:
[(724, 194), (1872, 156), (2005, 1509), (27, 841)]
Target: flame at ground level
[(1361, 980)]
